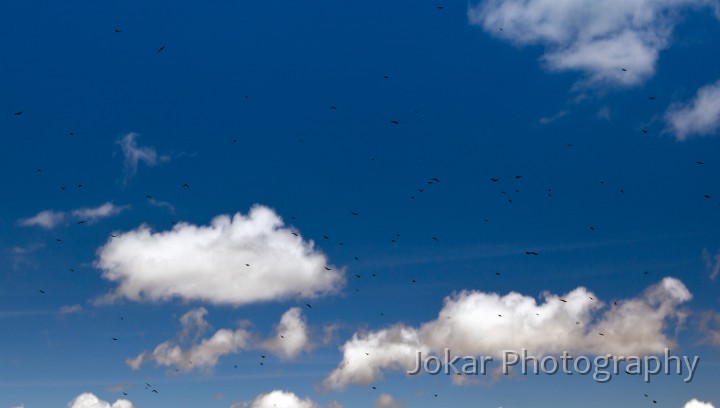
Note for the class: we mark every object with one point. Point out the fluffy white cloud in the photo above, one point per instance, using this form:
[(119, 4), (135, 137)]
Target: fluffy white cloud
[(135, 154), (47, 219), (291, 335), (477, 323), (693, 403), (282, 399), (387, 401), (234, 260), (103, 211), (88, 400), (700, 117), (599, 38), (204, 354)]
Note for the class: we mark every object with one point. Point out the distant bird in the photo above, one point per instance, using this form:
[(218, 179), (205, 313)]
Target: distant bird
[(118, 30), (592, 228), (114, 338), (309, 307), (601, 334), (563, 300), (624, 70), (124, 393), (113, 235), (354, 213), (18, 113), (42, 292), (495, 180), (706, 196), (148, 197), (643, 130), (434, 238), (652, 98), (531, 253), (81, 222), (155, 391), (186, 185), (394, 122), (328, 269), (699, 162), (160, 49), (386, 77), (518, 177), (79, 185)]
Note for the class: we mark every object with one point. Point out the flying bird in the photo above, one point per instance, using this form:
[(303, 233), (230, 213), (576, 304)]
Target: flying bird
[(531, 253), (394, 122), (18, 113), (160, 49), (118, 30)]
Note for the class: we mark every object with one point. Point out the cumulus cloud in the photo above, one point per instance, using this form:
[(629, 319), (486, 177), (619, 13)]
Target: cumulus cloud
[(47, 219), (282, 399), (234, 260), (291, 335), (693, 403), (135, 154), (700, 116), (88, 400), (387, 401), (478, 323), (103, 211), (204, 354), (598, 38)]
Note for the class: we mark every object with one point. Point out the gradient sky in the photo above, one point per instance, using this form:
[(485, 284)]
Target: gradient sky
[(603, 108)]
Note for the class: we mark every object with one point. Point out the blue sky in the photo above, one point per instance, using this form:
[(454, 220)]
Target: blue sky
[(118, 158)]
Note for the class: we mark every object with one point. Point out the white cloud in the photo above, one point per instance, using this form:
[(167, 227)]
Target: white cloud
[(205, 354), (88, 400), (71, 309), (291, 335), (700, 117), (693, 403), (478, 323), (387, 401), (47, 219), (210, 263), (135, 154), (103, 211), (282, 399), (599, 38)]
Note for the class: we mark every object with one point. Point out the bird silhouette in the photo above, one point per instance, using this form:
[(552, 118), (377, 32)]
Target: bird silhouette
[(160, 49)]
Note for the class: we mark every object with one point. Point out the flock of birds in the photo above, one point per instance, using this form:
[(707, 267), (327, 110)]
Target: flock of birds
[(424, 188)]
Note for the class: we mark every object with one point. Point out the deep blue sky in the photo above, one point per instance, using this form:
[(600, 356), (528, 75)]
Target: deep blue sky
[(239, 102)]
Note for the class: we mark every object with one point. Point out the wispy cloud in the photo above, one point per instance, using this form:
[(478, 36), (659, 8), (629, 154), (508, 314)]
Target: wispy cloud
[(102, 211), (478, 323), (50, 219), (698, 117), (234, 260), (47, 219), (135, 154), (614, 42), (70, 309), (712, 262), (550, 119)]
